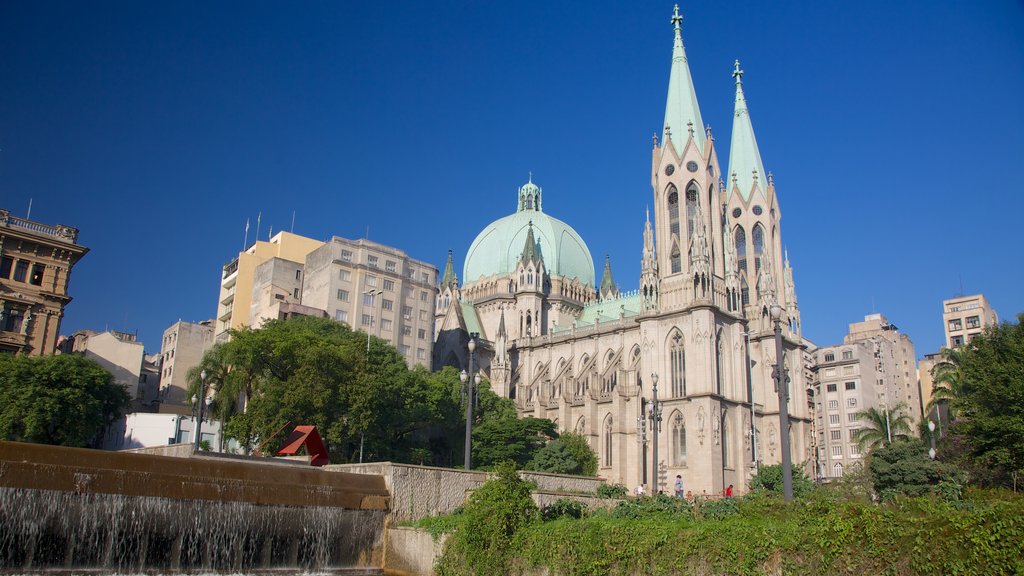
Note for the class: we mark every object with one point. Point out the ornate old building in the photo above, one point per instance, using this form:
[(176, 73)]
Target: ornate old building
[(697, 329)]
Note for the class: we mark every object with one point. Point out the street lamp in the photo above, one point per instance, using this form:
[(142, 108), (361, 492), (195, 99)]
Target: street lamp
[(198, 405), (470, 381), (750, 395), (641, 439), (783, 388), (931, 434), (373, 299), (654, 413)]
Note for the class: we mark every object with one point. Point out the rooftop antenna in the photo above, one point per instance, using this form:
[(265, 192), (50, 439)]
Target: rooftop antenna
[(29, 215), (367, 232), (293, 222), (245, 241), (258, 216)]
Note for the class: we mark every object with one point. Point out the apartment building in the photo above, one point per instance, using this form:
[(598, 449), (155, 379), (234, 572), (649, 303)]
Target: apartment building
[(35, 266), (125, 358), (965, 317), (181, 349)]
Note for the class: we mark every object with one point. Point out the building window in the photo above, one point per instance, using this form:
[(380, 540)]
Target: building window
[(424, 277), (20, 270), (406, 330), (608, 441), (295, 293), (837, 451), (371, 281), (741, 248), (837, 434), (854, 450), (385, 324), (677, 359), (851, 402), (298, 274), (346, 255), (404, 349), (833, 404), (12, 321), (367, 320), (852, 417), (678, 441), (344, 275), (673, 227), (691, 211), (389, 266), (421, 353), (407, 312), (830, 387), (371, 261), (343, 295), (410, 273), (341, 315), (853, 433), (389, 285), (847, 354), (421, 333), (423, 296), (6, 263), (758, 237), (973, 322), (387, 304), (830, 357), (955, 324), (36, 278), (955, 341), (833, 419), (368, 299), (837, 470), (423, 315), (851, 385)]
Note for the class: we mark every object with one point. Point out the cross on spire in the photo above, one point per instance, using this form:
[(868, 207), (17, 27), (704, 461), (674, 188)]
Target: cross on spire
[(737, 73), (677, 19), (531, 176)]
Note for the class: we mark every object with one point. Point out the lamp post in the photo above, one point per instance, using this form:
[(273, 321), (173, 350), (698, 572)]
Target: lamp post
[(750, 395), (783, 388), (373, 299), (198, 403), (469, 382), (654, 413), (641, 439), (931, 434)]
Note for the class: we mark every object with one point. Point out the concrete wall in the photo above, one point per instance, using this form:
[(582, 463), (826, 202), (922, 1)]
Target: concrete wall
[(411, 551)]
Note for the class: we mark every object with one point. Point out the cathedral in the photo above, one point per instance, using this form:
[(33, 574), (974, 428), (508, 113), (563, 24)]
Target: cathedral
[(696, 335)]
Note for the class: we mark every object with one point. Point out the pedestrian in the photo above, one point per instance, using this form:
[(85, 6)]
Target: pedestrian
[(639, 490), (679, 486), (728, 491)]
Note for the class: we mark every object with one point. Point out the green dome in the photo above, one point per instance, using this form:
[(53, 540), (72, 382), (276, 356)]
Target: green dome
[(498, 247)]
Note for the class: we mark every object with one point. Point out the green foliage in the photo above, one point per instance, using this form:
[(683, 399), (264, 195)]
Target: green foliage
[(563, 508), (990, 401), (494, 514), (882, 427), (67, 400), (717, 509), (508, 438), (554, 457), (661, 505), (612, 491), (947, 380), (586, 458), (440, 525), (905, 468), (769, 479)]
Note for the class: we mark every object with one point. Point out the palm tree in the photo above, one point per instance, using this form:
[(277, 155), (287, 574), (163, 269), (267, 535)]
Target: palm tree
[(883, 426), (947, 380)]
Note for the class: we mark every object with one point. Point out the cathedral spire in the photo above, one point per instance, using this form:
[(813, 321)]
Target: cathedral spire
[(649, 268), (501, 325), (449, 273), (530, 253), (681, 109), (745, 166), (608, 287)]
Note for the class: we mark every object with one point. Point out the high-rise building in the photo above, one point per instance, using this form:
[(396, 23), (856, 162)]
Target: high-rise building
[(377, 289), (234, 306), (874, 367), (698, 329), (966, 317), (35, 266), (181, 349)]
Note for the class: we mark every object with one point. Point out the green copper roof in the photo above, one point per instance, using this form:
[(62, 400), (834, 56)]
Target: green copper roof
[(681, 109), (471, 319), (744, 157), (607, 310), (498, 248), (449, 272)]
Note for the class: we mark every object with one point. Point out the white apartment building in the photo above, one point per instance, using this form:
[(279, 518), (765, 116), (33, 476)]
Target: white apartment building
[(965, 317), (181, 349)]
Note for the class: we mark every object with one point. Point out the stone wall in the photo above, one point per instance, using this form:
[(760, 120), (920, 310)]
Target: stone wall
[(563, 482), (411, 551)]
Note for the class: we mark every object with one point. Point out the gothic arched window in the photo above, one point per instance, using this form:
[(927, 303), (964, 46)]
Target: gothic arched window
[(608, 440), (691, 210), (677, 263), (758, 237), (744, 291), (741, 248), (677, 359), (678, 440), (673, 225), (837, 470)]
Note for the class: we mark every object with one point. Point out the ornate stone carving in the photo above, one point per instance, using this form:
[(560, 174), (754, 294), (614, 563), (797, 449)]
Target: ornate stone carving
[(700, 425), (746, 432), (772, 433), (716, 426)]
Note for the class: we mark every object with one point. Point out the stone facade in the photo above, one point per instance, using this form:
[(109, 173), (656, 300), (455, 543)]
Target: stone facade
[(35, 268), (697, 333)]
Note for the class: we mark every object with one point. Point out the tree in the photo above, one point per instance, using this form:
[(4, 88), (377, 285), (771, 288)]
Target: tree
[(947, 380), (555, 458), (769, 479), (991, 401), (904, 467), (510, 439), (67, 400), (581, 451), (882, 427)]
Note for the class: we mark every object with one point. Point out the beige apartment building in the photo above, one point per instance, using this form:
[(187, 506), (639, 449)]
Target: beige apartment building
[(377, 289), (125, 358), (181, 348), (965, 317), (234, 305), (874, 367), (35, 266)]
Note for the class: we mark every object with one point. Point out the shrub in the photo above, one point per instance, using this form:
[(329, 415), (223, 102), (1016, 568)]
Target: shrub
[(660, 505), (905, 468), (612, 491), (563, 508), (769, 478)]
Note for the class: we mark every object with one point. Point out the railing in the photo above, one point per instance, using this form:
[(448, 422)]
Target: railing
[(230, 268), (59, 231)]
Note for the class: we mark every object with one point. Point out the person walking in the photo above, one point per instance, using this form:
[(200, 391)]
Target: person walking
[(679, 486), (728, 491)]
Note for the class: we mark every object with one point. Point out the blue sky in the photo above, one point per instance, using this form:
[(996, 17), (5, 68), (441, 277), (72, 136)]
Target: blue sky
[(894, 131)]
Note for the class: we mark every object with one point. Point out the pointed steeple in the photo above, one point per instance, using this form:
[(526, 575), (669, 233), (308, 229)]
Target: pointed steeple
[(745, 166), (529, 196), (608, 287), (649, 268), (766, 280), (501, 325), (681, 110), (530, 253), (649, 261), (449, 278), (788, 279)]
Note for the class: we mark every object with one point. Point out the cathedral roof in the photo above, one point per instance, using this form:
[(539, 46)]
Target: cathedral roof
[(744, 156), (498, 248), (681, 109)]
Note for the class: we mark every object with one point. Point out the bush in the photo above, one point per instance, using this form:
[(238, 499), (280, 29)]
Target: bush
[(717, 509), (661, 505), (612, 491), (769, 479), (905, 468), (563, 508)]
